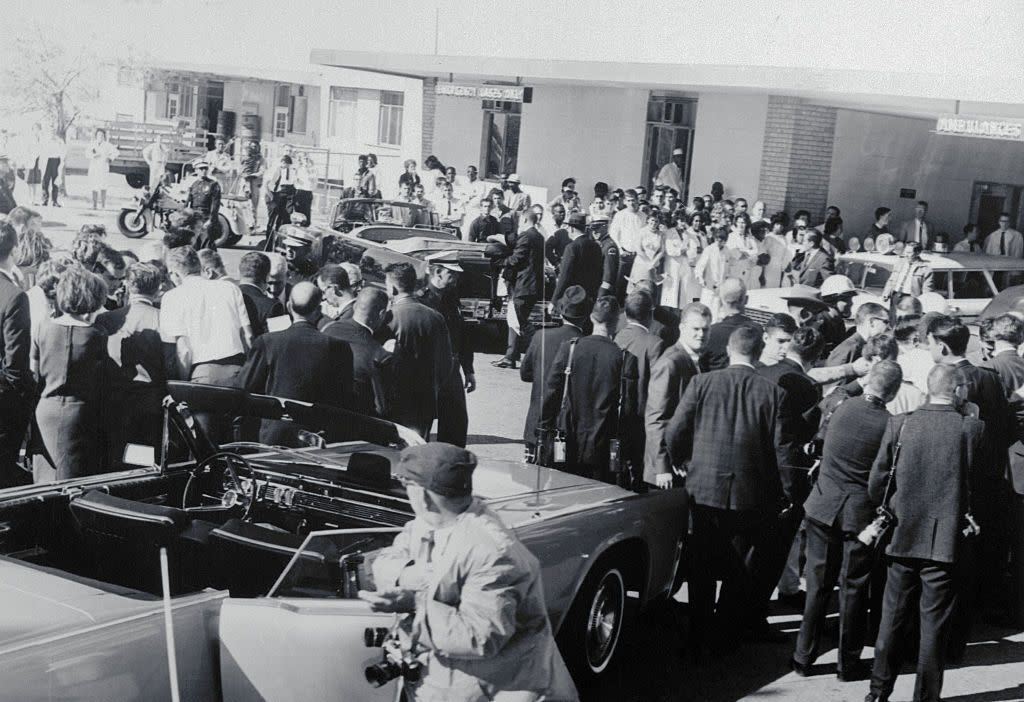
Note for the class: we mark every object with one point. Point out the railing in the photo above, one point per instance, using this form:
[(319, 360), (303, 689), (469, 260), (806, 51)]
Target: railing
[(130, 138)]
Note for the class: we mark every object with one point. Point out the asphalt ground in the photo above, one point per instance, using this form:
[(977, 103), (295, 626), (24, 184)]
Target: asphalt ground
[(656, 663)]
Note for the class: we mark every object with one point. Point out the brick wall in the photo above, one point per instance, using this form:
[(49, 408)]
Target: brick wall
[(429, 105), (797, 156)]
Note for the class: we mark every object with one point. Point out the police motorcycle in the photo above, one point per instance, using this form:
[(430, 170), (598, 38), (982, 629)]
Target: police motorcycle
[(154, 208)]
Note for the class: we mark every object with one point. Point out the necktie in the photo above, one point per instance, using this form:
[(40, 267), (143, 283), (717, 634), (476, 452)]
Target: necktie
[(1002, 243), (287, 171), (449, 207)]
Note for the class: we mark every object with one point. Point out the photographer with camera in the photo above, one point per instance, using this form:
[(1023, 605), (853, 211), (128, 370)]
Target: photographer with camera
[(922, 477), (837, 510), (473, 623)]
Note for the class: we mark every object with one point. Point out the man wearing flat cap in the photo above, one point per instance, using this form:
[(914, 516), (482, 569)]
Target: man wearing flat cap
[(468, 591), (575, 310)]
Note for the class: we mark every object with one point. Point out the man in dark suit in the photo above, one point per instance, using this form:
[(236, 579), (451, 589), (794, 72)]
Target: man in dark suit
[(947, 339), (16, 382), (484, 225), (837, 510), (253, 270), (298, 363), (1005, 334), (423, 351), (135, 347), (372, 382), (726, 430), (637, 339), (581, 261), (527, 264), (555, 244), (733, 295), (611, 265), (799, 424), (940, 449), (441, 294), (669, 378), (872, 319), (815, 264), (575, 309), (339, 293), (585, 403)]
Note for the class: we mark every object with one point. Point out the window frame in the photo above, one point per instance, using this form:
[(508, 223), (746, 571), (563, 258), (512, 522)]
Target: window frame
[(390, 117)]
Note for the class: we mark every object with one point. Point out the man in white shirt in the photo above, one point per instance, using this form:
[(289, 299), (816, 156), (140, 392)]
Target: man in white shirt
[(469, 187), (207, 323), (671, 174), (625, 231), (915, 361), (1005, 241), (450, 209)]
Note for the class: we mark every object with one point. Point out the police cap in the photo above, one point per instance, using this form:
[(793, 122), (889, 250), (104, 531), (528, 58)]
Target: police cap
[(438, 467), (578, 220), (445, 259)]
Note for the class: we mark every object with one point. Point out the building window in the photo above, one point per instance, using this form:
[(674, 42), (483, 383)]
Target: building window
[(297, 117), (389, 125), (670, 123), (172, 105), (341, 114), (280, 122), (126, 76), (502, 121), (179, 102)]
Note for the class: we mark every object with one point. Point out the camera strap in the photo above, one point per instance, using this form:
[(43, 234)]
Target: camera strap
[(564, 408), (890, 483)]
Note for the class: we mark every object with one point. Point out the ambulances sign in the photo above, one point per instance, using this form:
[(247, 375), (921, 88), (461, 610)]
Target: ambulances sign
[(1006, 130), (501, 93)]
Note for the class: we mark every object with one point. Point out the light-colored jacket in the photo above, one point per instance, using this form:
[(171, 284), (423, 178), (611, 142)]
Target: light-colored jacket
[(480, 627)]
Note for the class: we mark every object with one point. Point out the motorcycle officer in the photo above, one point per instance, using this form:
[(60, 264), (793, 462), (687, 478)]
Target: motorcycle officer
[(204, 198)]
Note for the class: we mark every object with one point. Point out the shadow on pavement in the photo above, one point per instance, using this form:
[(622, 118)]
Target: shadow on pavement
[(1011, 693)]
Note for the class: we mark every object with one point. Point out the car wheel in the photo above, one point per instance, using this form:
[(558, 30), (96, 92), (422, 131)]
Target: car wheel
[(593, 630), (136, 180)]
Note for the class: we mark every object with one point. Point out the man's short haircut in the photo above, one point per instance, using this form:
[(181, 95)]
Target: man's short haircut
[(813, 237), (80, 292), (606, 311), (304, 303), (881, 212), (631, 193), (944, 379), (334, 276), (833, 207), (780, 218), (951, 332), (209, 258), (144, 279), (1008, 328), (906, 327), (923, 203), (782, 322), (254, 266), (747, 341), (882, 346), (695, 309), (176, 237), (808, 343), (885, 378), (404, 276), (370, 300), (801, 214), (8, 239), (869, 310), (184, 261), (968, 227), (741, 199), (909, 304), (732, 292), (639, 306)]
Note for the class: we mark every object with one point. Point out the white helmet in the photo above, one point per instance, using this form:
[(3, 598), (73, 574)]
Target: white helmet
[(837, 285)]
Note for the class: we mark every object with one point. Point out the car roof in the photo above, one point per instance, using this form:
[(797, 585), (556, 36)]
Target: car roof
[(943, 262)]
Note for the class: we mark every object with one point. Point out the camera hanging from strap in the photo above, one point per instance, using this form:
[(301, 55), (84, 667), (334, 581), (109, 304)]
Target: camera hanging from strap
[(559, 449)]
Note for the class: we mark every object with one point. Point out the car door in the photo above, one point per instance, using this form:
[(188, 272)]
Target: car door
[(301, 643)]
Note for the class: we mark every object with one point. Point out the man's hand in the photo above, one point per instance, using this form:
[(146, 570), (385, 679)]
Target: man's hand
[(663, 481), (470, 382), (861, 366), (397, 601)]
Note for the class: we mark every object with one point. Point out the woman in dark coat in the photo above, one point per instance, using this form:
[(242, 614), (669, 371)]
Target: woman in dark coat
[(70, 360)]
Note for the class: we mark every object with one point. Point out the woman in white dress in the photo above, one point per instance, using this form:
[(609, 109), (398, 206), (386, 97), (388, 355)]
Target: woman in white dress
[(779, 251), (648, 258), (101, 152), (747, 265), (683, 246)]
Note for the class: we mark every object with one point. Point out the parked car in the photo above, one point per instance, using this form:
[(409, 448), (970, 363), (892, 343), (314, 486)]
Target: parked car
[(267, 548), (365, 232)]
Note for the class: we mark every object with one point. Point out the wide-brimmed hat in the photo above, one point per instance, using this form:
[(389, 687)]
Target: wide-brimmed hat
[(575, 304)]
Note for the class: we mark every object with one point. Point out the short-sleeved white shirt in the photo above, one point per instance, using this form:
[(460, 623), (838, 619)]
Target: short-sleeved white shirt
[(209, 313)]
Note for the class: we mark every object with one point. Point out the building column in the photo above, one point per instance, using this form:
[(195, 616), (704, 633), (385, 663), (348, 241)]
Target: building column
[(429, 108), (797, 158)]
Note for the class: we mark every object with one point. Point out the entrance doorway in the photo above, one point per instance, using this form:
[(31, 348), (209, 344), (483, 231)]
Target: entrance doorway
[(213, 103), (670, 122), (992, 199)]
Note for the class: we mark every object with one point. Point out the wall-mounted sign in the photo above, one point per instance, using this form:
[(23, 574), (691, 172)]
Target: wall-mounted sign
[(908, 193), (1005, 129), (501, 93)]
